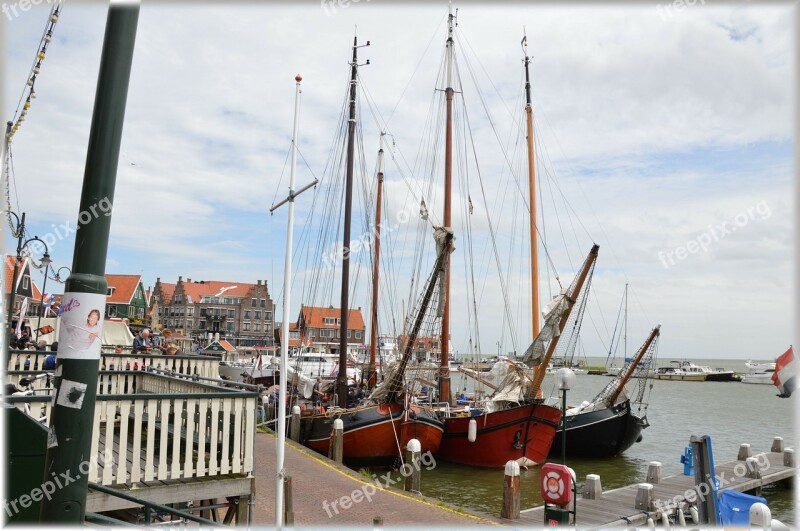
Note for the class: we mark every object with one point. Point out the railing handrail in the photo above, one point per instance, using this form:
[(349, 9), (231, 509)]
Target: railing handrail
[(226, 383), (144, 503)]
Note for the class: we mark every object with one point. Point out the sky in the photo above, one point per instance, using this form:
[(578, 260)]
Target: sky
[(663, 135)]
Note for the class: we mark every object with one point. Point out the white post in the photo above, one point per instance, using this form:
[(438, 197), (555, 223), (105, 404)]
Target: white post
[(760, 515), (777, 445), (644, 497), (744, 452), (654, 472), (592, 488), (281, 407), (413, 456)]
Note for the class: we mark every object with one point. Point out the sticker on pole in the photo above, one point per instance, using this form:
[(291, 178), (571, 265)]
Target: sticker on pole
[(81, 333)]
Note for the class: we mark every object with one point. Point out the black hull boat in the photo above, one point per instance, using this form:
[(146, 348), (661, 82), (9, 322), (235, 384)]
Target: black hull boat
[(603, 433)]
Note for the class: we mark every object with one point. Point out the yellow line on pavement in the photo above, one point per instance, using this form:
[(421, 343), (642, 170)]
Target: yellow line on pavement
[(360, 479)]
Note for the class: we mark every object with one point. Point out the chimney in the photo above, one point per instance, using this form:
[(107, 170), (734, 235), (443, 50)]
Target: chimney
[(180, 279), (259, 283), (158, 280), (189, 280)]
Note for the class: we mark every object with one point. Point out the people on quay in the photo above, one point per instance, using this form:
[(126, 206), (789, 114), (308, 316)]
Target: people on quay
[(118, 349), (141, 343), (41, 345), (50, 361), (316, 392)]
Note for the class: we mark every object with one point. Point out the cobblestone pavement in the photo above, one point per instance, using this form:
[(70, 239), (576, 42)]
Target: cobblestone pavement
[(325, 493)]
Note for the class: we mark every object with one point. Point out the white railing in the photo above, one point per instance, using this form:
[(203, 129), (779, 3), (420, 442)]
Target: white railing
[(153, 427), (172, 437), (205, 366)]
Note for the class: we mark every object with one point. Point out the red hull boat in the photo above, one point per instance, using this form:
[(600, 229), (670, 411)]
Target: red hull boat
[(506, 435), (376, 434)]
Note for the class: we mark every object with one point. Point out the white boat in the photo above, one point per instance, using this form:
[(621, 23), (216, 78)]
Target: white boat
[(759, 373), (688, 371)]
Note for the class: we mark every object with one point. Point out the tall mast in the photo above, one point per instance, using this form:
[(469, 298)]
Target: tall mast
[(625, 347), (444, 369), (287, 286), (639, 355), (373, 336), (571, 300), (532, 198), (341, 378)]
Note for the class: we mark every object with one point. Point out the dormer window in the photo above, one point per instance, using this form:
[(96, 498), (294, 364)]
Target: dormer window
[(110, 291)]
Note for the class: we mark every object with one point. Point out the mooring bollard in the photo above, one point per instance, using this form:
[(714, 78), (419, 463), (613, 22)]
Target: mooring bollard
[(288, 511), (788, 458), (777, 445), (294, 425), (654, 472), (338, 440), (592, 489), (744, 452), (760, 515), (754, 472), (644, 497), (413, 456), (511, 492)]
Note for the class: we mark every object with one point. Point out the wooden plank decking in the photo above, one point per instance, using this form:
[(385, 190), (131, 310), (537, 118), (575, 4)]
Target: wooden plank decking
[(617, 507)]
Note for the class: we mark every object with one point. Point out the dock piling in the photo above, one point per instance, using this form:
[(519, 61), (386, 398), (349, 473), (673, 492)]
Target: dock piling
[(338, 440), (754, 471), (654, 472), (512, 492), (788, 458), (777, 445), (294, 426), (592, 488), (644, 497), (413, 457), (744, 452)]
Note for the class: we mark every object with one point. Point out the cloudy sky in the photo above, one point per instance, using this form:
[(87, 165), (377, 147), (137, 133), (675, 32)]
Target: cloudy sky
[(665, 136)]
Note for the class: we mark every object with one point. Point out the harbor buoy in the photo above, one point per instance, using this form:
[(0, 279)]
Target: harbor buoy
[(472, 431)]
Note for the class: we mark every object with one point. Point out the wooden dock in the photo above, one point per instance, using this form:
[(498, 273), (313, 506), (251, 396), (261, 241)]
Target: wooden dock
[(618, 507)]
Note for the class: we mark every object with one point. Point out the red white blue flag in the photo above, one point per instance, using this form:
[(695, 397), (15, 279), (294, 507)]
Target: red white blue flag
[(785, 376)]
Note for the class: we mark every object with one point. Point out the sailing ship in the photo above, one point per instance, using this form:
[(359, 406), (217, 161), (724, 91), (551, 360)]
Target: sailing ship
[(607, 425), (375, 432)]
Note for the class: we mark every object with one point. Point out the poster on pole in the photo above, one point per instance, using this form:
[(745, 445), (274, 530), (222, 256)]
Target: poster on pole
[(81, 326)]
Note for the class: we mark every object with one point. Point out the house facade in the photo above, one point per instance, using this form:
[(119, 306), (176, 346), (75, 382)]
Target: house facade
[(318, 328), (241, 313), (126, 299), (24, 287)]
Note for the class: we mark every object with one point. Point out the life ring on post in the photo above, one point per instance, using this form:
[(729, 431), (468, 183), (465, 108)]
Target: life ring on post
[(556, 484)]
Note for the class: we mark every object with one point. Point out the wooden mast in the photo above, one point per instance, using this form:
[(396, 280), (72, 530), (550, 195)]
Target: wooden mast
[(373, 335), (444, 368), (639, 355), (532, 199), (571, 299), (341, 378)]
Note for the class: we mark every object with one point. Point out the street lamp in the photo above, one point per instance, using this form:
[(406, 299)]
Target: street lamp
[(565, 379), (46, 261), (57, 273), (19, 232)]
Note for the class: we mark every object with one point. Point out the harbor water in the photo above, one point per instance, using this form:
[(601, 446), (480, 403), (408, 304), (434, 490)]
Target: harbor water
[(730, 412)]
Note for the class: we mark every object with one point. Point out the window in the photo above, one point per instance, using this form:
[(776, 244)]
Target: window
[(25, 281), (253, 303), (294, 334), (349, 332), (141, 313), (178, 299), (358, 334), (263, 303), (202, 325), (312, 332), (325, 332), (190, 311), (257, 327), (330, 321), (258, 314), (231, 313), (189, 323), (229, 327), (268, 316), (111, 310), (110, 291), (435, 344), (246, 327), (247, 314), (217, 312), (421, 344)]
